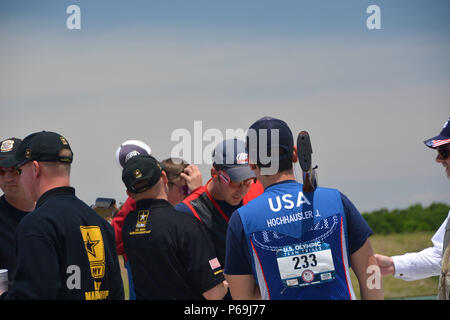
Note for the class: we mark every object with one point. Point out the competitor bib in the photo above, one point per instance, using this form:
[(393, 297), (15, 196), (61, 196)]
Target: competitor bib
[(305, 264)]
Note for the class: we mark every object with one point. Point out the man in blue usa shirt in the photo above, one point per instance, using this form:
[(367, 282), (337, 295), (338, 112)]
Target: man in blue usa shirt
[(287, 244)]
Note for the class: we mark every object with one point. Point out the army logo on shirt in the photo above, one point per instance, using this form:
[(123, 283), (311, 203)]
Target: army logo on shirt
[(141, 223), (95, 250)]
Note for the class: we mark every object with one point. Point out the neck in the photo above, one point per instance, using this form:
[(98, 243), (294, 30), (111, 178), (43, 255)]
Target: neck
[(153, 193), (279, 177), (213, 189), (54, 183)]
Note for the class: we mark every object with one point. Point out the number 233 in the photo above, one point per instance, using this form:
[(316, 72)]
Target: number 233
[(304, 261)]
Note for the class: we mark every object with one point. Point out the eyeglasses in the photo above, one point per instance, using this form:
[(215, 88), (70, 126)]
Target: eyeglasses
[(225, 178), (443, 151)]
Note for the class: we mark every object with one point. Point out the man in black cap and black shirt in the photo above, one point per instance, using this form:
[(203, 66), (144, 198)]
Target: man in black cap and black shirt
[(64, 249), (14, 204), (170, 254)]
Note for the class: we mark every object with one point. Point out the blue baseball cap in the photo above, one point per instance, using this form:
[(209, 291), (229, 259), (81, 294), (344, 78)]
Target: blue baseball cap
[(268, 134), (230, 156), (442, 138)]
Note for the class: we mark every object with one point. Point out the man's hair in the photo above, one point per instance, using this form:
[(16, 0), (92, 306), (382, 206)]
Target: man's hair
[(173, 167), (283, 165)]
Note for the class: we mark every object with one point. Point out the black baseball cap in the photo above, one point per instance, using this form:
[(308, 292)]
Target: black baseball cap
[(442, 138), (262, 139), (141, 168), (8, 148), (43, 146)]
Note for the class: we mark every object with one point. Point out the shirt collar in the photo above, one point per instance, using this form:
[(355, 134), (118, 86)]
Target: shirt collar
[(147, 203), (54, 192), (280, 182)]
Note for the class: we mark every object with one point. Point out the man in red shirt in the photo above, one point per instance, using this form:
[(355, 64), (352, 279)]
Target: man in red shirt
[(232, 185)]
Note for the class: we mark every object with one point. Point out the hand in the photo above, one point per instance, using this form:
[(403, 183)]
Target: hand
[(386, 264), (193, 177)]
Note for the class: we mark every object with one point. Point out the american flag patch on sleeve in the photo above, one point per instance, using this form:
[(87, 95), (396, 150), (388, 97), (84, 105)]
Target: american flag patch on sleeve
[(215, 266), (214, 263)]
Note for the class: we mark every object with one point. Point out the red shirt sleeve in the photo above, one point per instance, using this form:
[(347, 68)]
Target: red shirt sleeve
[(256, 189), (117, 223)]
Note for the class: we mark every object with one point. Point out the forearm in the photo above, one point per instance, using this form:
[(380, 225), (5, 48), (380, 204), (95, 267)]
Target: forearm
[(243, 287), (217, 292), (418, 265), (368, 273)]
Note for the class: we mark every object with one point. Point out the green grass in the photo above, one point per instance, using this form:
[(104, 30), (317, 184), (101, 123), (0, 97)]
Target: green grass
[(398, 244)]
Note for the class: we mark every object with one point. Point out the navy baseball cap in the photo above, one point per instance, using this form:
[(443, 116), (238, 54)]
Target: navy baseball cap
[(442, 138), (268, 134), (43, 146), (8, 150), (230, 156), (129, 149)]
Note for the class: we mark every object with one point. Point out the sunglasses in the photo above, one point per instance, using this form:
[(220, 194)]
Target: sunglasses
[(443, 152), (225, 178)]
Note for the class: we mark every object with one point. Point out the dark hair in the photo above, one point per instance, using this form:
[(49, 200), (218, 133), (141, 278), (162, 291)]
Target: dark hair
[(285, 164)]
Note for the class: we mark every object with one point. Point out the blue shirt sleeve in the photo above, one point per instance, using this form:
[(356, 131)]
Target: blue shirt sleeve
[(357, 228), (182, 207), (237, 260)]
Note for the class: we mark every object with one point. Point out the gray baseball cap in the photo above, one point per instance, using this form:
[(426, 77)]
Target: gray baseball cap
[(230, 156)]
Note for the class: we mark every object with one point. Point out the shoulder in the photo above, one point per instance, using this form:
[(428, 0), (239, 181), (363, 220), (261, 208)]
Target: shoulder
[(195, 194), (183, 207), (186, 206), (235, 223), (182, 220)]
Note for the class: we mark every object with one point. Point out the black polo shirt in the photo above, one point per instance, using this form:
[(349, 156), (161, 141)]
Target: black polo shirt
[(9, 220), (170, 254), (65, 250)]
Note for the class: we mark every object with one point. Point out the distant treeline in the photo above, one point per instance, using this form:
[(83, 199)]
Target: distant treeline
[(414, 218)]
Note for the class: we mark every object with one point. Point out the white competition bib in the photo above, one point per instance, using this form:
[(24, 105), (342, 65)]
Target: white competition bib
[(305, 264)]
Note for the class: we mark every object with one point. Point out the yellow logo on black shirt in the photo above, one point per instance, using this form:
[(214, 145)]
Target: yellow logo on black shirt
[(93, 243), (141, 223), (95, 250)]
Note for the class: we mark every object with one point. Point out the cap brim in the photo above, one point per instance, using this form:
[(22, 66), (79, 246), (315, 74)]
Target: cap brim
[(437, 141), (8, 161), (239, 173)]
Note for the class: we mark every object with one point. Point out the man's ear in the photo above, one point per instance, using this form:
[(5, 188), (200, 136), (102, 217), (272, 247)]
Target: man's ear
[(164, 177), (294, 154), (37, 168)]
